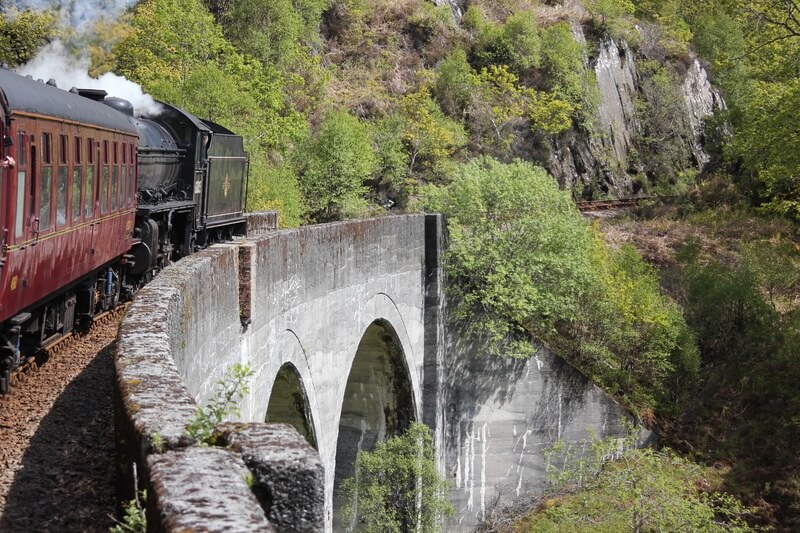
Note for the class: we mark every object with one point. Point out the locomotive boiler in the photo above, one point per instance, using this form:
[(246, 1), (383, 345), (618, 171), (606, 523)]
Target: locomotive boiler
[(95, 201)]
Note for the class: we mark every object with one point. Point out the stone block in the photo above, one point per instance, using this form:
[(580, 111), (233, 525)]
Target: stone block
[(202, 489), (289, 476)]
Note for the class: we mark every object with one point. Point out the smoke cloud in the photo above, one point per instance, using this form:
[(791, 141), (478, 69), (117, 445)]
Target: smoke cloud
[(54, 61)]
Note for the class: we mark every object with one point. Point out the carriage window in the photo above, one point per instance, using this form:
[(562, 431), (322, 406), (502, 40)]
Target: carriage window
[(115, 177), (105, 152), (77, 186), (87, 195), (132, 182), (22, 160), (123, 185), (61, 196), (104, 190), (77, 156), (22, 156), (47, 148), (63, 150), (45, 188), (90, 152)]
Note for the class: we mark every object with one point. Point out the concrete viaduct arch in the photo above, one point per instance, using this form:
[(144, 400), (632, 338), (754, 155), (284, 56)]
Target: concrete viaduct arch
[(333, 320), (317, 295)]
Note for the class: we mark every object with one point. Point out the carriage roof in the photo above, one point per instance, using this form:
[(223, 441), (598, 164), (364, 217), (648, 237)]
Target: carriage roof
[(24, 94)]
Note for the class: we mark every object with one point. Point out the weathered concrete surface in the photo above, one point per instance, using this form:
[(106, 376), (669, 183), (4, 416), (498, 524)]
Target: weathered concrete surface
[(501, 415), (261, 222), (288, 474), (202, 489), (316, 290)]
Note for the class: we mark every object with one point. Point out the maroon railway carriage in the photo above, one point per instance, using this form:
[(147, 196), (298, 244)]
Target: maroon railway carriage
[(67, 210)]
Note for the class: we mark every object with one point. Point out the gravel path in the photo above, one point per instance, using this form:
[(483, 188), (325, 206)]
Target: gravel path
[(57, 442)]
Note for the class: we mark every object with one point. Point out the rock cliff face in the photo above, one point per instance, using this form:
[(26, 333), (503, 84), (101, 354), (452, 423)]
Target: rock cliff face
[(606, 159), (702, 100)]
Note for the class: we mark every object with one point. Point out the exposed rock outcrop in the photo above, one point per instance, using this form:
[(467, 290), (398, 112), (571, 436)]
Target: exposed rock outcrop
[(606, 158)]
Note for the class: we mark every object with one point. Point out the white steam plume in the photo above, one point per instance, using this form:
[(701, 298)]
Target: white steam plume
[(53, 61)]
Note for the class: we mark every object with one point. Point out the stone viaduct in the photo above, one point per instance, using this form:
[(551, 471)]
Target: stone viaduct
[(344, 326)]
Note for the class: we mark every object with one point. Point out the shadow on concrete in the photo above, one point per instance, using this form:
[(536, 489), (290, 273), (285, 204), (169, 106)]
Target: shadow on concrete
[(67, 479)]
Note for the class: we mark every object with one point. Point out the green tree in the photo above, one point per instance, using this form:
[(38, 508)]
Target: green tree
[(391, 176), (666, 132), (276, 32), (565, 72), (22, 33), (396, 487), (337, 161), (519, 253), (631, 338), (606, 13), (515, 43), (178, 53)]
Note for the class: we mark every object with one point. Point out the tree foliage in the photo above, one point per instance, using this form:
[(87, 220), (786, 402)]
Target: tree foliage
[(519, 251), (338, 159), (396, 487), (22, 33), (179, 54), (753, 46)]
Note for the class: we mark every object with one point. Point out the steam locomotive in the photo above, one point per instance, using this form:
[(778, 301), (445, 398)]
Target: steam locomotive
[(95, 201)]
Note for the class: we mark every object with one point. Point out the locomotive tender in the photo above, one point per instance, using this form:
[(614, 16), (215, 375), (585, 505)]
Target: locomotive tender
[(97, 202)]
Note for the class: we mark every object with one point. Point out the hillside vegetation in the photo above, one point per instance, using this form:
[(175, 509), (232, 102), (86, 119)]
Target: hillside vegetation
[(365, 107)]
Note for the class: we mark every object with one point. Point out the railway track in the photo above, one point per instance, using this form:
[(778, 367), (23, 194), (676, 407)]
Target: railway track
[(605, 205), (620, 203), (57, 460), (56, 346)]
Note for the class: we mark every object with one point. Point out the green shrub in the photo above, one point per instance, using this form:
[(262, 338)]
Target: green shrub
[(275, 188), (392, 171), (454, 84), (629, 489), (515, 43), (519, 255), (525, 266), (565, 70), (396, 487), (228, 394)]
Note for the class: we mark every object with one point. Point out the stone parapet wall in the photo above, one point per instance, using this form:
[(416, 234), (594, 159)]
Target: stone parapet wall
[(191, 308)]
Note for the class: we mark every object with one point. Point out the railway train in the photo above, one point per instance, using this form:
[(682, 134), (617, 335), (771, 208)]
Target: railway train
[(94, 201)]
